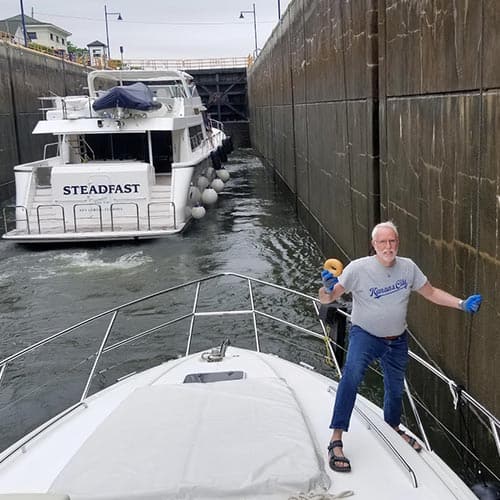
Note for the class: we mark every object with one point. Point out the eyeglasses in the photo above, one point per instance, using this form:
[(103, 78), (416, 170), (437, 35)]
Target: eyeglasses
[(385, 242)]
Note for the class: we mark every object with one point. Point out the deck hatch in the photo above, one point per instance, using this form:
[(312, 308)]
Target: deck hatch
[(205, 378)]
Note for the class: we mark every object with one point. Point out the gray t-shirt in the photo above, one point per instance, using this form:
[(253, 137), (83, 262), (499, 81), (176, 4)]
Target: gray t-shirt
[(380, 294)]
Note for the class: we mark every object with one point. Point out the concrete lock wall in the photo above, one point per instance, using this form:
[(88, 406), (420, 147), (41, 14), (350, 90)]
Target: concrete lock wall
[(26, 75), (389, 109)]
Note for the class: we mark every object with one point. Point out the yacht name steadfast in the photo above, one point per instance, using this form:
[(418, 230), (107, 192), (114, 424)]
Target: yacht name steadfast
[(101, 189)]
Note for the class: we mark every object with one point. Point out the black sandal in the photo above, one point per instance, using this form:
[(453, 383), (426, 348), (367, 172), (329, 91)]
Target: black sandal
[(411, 440), (332, 458)]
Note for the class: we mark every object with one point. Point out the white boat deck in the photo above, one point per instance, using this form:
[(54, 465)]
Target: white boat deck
[(153, 437), (226, 423)]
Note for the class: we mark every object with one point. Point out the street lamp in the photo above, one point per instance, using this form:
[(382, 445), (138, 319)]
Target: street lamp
[(119, 18), (254, 25), (24, 24)]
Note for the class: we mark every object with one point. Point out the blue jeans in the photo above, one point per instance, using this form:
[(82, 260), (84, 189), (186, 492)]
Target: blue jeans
[(363, 350)]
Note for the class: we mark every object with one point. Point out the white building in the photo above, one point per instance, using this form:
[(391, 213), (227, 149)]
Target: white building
[(97, 51), (39, 32)]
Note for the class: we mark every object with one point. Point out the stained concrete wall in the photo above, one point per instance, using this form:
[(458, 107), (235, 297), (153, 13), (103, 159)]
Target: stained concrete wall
[(26, 75), (377, 109)]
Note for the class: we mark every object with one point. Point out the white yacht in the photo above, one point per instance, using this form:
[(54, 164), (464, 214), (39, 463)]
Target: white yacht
[(247, 419), (136, 158)]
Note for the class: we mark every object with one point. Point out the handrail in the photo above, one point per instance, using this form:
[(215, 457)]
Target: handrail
[(388, 444), (49, 206), (87, 145), (112, 206), (216, 124), (151, 203), (16, 220), (98, 357), (45, 147), (86, 205), (253, 312), (79, 217), (187, 64)]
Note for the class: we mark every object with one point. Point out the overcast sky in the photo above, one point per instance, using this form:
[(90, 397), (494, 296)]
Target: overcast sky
[(159, 29)]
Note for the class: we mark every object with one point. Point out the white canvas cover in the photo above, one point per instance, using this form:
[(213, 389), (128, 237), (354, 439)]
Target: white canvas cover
[(233, 440)]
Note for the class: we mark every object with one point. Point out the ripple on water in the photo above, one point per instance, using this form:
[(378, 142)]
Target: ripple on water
[(83, 262)]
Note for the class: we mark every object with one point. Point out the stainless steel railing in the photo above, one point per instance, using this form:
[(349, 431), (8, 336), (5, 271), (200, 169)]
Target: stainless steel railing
[(256, 314), (71, 224)]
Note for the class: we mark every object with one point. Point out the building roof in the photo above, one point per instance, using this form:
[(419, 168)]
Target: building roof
[(11, 24), (96, 43)]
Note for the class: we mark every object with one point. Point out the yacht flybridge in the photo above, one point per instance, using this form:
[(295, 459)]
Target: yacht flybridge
[(136, 158)]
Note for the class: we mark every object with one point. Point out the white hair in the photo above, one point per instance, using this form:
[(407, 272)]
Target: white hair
[(387, 224)]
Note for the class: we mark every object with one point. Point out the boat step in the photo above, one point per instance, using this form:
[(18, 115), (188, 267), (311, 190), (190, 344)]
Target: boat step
[(43, 198), (161, 187)]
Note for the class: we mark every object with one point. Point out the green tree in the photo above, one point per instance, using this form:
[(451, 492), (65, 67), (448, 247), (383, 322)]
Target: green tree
[(77, 51)]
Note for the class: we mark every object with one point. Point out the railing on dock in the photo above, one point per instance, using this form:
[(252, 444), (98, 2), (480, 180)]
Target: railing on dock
[(187, 64)]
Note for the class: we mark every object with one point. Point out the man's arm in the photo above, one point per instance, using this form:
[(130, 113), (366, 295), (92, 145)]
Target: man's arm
[(440, 297), (328, 297)]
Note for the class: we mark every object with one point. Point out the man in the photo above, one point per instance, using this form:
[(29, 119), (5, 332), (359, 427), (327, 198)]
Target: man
[(380, 286)]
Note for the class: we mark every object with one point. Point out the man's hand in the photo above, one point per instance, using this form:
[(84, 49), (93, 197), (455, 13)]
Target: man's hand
[(471, 304), (329, 280)]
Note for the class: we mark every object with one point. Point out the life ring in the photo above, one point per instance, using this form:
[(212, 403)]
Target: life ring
[(334, 266), (215, 160)]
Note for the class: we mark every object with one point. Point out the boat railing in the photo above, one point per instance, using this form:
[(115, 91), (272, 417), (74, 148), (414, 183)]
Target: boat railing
[(122, 204), (85, 206), (47, 146), (196, 312), (216, 124), (70, 107), (152, 204), (457, 393), (18, 215), (84, 157), (51, 218), (17, 220)]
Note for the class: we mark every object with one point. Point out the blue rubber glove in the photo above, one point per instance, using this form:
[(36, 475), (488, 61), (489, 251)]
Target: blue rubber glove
[(472, 304), (329, 280)]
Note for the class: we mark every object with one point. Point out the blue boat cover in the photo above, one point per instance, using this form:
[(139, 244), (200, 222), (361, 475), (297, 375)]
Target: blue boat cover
[(136, 96)]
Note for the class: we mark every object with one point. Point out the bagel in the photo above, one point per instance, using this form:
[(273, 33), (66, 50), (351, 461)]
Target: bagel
[(334, 266)]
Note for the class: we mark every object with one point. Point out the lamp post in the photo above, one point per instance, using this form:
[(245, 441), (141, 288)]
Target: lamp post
[(254, 26), (119, 18), (279, 10), (24, 25)]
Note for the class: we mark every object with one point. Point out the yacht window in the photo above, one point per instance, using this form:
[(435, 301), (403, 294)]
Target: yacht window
[(117, 146), (195, 136), (205, 378), (166, 89)]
